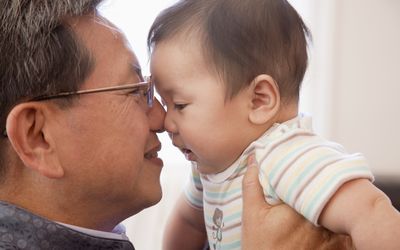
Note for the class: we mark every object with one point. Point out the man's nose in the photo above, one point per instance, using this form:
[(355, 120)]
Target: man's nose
[(156, 115)]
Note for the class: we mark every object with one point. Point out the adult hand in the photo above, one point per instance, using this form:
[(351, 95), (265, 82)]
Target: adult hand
[(280, 226)]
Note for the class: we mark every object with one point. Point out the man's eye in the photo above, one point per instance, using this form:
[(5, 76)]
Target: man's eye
[(139, 95), (179, 106), (137, 92)]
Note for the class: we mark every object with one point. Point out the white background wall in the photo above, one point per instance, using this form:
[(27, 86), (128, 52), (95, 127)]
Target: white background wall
[(355, 78), (352, 88)]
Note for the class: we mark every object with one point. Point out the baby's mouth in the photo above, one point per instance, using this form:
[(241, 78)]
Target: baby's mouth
[(189, 155), (186, 151)]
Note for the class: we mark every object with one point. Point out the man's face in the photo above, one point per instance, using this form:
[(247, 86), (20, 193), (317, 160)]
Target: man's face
[(106, 141)]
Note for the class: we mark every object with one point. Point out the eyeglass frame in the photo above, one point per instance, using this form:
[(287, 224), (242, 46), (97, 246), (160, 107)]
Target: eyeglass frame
[(147, 82)]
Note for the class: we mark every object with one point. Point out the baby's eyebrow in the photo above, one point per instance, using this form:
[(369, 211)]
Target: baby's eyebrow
[(167, 89)]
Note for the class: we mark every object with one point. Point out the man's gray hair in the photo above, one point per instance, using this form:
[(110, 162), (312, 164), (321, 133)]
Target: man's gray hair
[(39, 52)]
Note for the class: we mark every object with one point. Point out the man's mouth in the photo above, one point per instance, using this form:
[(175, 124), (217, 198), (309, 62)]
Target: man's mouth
[(152, 155)]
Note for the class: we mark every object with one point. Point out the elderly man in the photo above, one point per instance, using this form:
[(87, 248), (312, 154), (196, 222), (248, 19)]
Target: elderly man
[(79, 145), (78, 151)]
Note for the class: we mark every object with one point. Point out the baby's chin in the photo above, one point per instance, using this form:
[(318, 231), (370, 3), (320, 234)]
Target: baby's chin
[(208, 170), (205, 170)]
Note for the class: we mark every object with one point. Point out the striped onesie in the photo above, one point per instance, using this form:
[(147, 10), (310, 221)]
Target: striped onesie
[(297, 167)]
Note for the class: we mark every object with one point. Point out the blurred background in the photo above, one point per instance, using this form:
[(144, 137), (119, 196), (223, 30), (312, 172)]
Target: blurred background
[(351, 88)]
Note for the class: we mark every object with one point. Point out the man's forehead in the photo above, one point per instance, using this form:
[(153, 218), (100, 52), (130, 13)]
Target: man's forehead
[(115, 62), (92, 26)]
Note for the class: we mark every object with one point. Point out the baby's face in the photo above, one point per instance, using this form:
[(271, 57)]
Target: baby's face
[(202, 123)]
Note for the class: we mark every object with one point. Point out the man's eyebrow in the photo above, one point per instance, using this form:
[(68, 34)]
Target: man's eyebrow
[(138, 70)]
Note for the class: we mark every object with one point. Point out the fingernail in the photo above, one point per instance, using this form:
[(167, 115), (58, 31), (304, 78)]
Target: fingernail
[(251, 160)]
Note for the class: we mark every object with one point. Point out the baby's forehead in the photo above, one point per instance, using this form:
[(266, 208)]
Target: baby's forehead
[(181, 57), (185, 38)]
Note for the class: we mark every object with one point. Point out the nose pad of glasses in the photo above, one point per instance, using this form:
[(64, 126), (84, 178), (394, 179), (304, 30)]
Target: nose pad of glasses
[(150, 93)]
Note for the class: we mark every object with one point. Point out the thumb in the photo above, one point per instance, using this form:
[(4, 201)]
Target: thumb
[(253, 195)]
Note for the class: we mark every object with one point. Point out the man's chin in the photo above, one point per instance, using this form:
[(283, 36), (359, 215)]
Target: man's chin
[(154, 198)]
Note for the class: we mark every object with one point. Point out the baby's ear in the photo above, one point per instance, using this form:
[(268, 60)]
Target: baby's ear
[(265, 99)]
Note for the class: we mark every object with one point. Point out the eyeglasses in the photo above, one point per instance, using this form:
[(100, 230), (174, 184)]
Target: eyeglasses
[(144, 89)]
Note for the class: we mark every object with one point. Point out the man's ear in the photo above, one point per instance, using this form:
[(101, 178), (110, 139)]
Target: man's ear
[(265, 99), (26, 131)]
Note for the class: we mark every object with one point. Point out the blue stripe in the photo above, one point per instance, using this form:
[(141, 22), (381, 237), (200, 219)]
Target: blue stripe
[(232, 217), (193, 200), (287, 158), (338, 176), (197, 181), (226, 219), (230, 246), (296, 183), (223, 195)]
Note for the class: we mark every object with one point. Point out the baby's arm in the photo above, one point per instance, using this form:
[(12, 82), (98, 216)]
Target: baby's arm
[(364, 212), (185, 228)]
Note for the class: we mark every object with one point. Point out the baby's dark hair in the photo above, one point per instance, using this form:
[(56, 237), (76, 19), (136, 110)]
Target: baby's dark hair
[(242, 39)]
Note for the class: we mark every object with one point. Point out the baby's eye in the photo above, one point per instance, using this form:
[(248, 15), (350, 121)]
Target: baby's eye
[(179, 106)]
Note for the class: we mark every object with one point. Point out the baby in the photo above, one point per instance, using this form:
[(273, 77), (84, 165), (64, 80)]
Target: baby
[(229, 74)]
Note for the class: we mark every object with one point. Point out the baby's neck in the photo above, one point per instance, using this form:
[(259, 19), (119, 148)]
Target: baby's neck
[(287, 112)]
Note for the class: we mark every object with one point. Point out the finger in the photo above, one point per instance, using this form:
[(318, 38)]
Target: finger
[(253, 195)]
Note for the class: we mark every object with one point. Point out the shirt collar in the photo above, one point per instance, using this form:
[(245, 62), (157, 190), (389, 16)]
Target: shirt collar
[(118, 233)]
